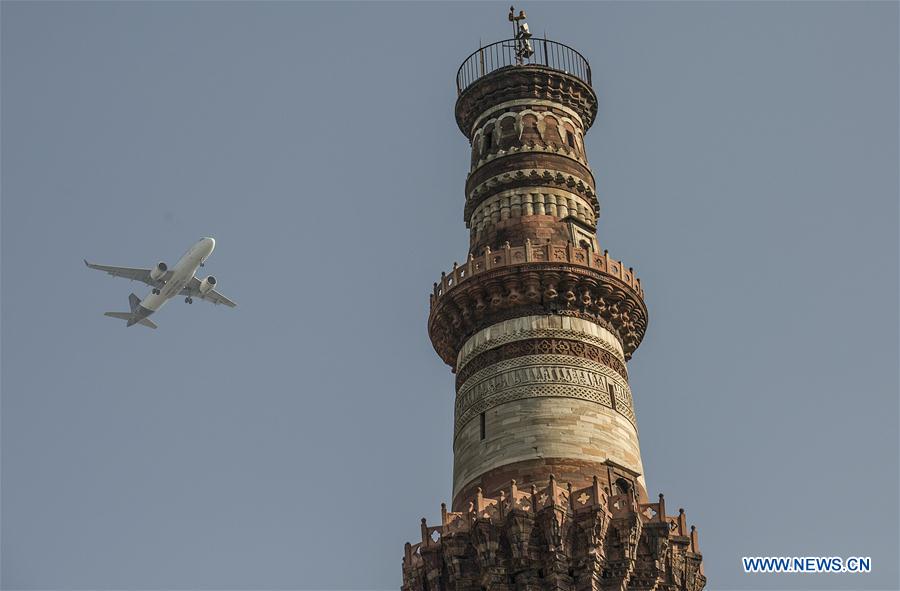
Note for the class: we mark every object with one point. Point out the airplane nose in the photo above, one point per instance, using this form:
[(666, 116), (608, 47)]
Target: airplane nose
[(210, 242)]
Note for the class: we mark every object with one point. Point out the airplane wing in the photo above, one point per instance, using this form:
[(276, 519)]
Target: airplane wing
[(142, 275), (193, 290)]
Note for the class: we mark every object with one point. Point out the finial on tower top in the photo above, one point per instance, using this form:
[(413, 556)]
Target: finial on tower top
[(524, 50)]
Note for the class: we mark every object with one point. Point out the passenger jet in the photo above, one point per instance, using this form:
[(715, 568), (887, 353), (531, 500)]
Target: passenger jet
[(168, 283)]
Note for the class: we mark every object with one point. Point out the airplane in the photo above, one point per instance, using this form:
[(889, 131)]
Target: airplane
[(167, 283)]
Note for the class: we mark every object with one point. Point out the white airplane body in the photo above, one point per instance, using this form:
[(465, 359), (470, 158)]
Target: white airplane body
[(168, 283)]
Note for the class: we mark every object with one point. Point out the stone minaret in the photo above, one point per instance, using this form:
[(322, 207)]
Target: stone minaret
[(538, 323)]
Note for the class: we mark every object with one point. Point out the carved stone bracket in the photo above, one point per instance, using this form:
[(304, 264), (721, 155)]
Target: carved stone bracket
[(528, 280)]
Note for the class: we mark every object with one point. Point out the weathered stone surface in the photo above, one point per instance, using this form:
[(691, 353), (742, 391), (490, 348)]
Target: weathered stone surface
[(534, 428)]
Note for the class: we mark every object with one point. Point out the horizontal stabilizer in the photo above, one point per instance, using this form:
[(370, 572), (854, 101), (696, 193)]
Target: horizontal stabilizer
[(129, 317), (119, 315)]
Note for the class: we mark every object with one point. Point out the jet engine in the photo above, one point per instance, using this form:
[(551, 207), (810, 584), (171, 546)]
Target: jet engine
[(158, 271), (208, 284)]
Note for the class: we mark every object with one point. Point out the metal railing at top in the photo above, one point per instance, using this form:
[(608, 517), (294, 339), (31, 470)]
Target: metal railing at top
[(502, 54)]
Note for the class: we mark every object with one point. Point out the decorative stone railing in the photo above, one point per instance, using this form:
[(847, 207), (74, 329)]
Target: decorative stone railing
[(531, 253)]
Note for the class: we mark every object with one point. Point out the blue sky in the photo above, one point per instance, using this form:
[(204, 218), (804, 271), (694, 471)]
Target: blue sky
[(747, 165)]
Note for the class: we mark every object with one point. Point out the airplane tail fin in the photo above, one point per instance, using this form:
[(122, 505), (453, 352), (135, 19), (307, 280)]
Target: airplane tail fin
[(134, 302)]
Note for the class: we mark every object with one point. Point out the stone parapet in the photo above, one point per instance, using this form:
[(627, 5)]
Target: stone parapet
[(537, 253)]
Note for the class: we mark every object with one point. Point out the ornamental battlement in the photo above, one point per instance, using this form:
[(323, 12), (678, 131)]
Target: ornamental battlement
[(556, 535)]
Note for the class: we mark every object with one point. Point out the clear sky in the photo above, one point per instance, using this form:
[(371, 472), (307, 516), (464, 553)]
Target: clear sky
[(747, 165)]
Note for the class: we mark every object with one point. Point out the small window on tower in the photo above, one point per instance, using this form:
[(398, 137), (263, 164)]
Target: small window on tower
[(570, 138), (483, 426), (488, 136)]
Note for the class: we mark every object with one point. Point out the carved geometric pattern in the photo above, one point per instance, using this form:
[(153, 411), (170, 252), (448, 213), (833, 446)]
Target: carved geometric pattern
[(624, 403), (546, 333), (448, 337), (541, 347), (534, 391), (564, 368)]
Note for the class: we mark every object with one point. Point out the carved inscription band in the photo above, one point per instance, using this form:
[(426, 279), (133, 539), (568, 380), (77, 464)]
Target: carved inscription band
[(514, 349), (560, 376)]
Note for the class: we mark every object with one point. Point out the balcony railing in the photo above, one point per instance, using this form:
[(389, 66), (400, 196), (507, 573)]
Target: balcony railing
[(502, 54)]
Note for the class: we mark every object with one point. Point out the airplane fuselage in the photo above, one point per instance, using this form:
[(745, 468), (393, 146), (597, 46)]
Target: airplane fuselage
[(167, 283), (183, 271)]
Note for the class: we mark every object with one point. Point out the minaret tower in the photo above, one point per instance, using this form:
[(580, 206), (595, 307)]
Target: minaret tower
[(538, 324)]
